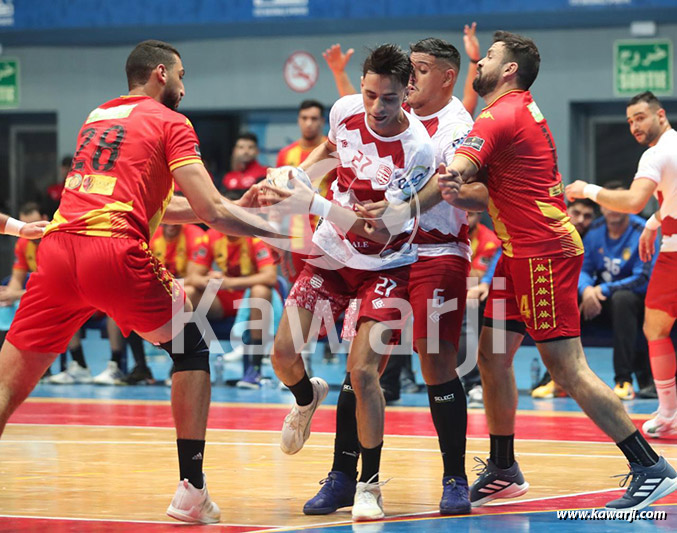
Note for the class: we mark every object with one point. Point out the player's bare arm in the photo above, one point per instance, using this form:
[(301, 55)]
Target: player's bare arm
[(215, 211), (472, 50), (632, 200), (337, 61), (647, 240), (31, 230)]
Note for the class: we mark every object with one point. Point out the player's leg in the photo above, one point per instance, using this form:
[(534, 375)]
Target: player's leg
[(253, 351), (657, 327)]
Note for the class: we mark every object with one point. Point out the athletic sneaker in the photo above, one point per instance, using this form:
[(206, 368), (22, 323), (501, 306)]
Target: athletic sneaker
[(660, 426), (455, 497), (111, 376), (235, 354), (547, 391), (625, 391), (475, 398), (338, 490), (649, 483), (193, 505), (296, 427), (368, 503), (493, 483), (74, 373), (140, 375), (250, 380)]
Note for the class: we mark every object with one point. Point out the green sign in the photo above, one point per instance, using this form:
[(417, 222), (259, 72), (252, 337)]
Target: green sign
[(643, 65), (9, 83)]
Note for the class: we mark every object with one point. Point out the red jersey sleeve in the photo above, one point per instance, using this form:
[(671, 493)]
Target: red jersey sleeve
[(262, 254), (181, 144), (20, 260), (486, 137)]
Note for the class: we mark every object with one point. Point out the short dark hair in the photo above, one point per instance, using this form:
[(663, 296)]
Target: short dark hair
[(522, 51), (648, 97), (439, 49), (29, 207), (614, 184), (388, 60), (307, 104), (248, 136), (145, 57), (587, 202)]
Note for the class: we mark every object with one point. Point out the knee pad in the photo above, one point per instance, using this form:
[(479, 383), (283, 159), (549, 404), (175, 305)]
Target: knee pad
[(195, 354)]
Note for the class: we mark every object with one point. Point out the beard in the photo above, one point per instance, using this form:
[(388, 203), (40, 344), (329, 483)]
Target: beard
[(171, 98), (484, 84)]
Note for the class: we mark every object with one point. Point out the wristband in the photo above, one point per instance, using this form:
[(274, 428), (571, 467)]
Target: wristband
[(320, 206), (13, 227), (653, 224), (591, 191)]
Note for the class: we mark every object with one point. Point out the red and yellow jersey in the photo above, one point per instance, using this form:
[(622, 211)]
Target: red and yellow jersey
[(242, 257), (190, 245), (484, 244), (26, 255), (511, 138), (121, 181)]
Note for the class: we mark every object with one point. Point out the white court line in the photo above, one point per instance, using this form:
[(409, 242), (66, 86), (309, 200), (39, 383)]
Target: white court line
[(120, 521), (275, 445), (277, 431)]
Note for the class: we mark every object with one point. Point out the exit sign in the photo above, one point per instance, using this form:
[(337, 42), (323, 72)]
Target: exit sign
[(643, 65), (9, 83)]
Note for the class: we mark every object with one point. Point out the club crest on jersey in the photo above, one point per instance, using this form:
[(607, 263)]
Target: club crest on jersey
[(74, 181), (475, 143), (383, 174)]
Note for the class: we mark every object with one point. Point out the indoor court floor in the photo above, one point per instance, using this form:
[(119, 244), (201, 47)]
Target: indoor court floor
[(84, 458)]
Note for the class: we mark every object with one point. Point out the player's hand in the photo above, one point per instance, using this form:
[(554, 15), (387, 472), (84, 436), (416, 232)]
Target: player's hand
[(647, 244), (8, 296), (574, 190), (471, 42), (250, 199), (33, 230), (372, 210), (384, 217), (336, 59), (591, 305), (477, 294), (449, 181)]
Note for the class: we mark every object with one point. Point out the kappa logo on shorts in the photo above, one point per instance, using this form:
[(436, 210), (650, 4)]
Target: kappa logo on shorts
[(316, 281)]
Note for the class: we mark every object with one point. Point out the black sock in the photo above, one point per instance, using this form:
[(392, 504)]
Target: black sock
[(191, 454), (136, 344), (502, 452), (449, 411), (637, 450), (371, 463), (302, 391), (116, 357), (346, 445), (78, 356)]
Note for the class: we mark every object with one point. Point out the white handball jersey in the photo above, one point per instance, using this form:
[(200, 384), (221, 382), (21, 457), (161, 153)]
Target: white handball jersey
[(659, 164), (443, 229), (373, 168)]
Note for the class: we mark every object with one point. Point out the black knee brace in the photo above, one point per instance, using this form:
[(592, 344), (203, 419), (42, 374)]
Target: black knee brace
[(195, 354)]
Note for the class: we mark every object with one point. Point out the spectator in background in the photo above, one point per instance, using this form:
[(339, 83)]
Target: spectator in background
[(612, 288), (53, 193), (245, 170), (244, 263), (25, 262), (582, 213)]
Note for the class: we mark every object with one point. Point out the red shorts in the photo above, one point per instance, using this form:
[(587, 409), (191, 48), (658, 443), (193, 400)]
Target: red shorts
[(541, 292), (432, 282), (340, 286), (662, 291), (78, 275), (228, 299)]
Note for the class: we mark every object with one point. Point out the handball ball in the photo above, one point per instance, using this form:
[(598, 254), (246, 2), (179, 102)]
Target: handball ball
[(279, 177)]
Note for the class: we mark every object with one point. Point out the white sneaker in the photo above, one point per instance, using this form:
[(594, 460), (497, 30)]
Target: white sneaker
[(660, 426), (475, 398), (296, 427), (111, 376), (74, 373), (235, 354), (193, 505), (368, 501)]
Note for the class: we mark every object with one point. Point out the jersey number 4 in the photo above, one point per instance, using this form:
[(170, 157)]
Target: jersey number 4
[(107, 148)]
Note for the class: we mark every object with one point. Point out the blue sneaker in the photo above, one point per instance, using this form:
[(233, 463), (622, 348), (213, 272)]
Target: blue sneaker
[(338, 490), (455, 497), (493, 483), (649, 483)]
